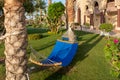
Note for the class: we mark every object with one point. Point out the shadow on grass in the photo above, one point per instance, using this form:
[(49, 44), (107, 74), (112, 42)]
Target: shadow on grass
[(39, 68), (83, 49), (80, 34), (51, 43)]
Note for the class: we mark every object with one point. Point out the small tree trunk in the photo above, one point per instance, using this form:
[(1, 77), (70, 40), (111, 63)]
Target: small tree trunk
[(15, 45), (40, 15)]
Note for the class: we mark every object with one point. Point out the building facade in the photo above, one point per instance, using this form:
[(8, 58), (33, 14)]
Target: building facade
[(96, 12)]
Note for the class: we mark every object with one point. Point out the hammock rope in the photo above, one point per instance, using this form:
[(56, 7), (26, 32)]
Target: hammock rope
[(62, 53), (40, 59)]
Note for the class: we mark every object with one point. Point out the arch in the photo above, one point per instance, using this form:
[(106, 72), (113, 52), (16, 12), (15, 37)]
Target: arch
[(96, 4), (86, 7)]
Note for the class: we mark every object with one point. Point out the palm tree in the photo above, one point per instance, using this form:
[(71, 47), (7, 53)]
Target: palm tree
[(29, 6), (1, 15), (70, 10), (49, 2), (15, 45), (41, 5)]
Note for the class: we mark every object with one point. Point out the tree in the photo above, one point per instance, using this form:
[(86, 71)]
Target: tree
[(49, 2), (15, 40), (41, 5), (1, 5), (1, 15), (28, 5), (55, 11)]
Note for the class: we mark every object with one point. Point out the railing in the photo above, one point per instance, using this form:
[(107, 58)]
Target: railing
[(111, 7)]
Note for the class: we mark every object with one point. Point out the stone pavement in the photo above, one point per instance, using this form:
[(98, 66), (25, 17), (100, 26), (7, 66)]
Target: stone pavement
[(113, 33)]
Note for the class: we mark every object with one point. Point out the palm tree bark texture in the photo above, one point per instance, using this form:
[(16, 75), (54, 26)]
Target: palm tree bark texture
[(70, 10), (15, 45)]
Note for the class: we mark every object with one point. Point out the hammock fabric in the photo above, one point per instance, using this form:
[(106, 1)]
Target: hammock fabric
[(62, 54)]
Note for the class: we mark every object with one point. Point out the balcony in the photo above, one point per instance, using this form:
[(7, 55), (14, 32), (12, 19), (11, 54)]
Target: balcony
[(111, 7)]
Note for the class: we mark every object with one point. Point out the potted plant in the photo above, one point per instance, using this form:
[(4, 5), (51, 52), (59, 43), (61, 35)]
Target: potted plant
[(106, 28), (87, 25)]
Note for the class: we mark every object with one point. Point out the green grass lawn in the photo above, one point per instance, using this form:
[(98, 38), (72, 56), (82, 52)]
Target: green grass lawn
[(88, 64)]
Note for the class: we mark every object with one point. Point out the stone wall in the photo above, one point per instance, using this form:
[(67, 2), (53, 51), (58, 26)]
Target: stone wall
[(102, 12)]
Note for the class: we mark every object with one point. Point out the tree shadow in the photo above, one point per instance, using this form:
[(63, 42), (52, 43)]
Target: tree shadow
[(44, 46), (83, 49), (81, 33)]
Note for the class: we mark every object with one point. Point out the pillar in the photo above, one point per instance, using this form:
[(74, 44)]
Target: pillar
[(84, 19), (118, 18), (91, 20), (79, 16), (102, 18)]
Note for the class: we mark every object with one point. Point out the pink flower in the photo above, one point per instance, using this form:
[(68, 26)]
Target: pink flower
[(116, 41)]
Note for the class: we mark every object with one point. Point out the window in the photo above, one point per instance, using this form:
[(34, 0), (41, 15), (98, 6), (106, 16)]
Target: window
[(96, 4), (86, 7)]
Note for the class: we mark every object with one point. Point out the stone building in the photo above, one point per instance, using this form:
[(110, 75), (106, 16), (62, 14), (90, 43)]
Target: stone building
[(96, 12)]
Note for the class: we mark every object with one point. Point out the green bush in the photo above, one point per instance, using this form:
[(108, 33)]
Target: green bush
[(87, 25), (112, 54), (76, 24), (106, 27), (51, 33), (34, 36)]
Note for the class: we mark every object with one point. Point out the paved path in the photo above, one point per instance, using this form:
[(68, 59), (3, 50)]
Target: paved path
[(113, 33)]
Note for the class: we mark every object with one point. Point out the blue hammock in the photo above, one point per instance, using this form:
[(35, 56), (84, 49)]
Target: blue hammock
[(63, 53)]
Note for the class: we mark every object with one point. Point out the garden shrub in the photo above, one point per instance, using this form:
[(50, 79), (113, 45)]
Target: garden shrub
[(34, 36), (106, 27), (76, 24), (87, 25), (51, 33), (55, 12), (112, 54)]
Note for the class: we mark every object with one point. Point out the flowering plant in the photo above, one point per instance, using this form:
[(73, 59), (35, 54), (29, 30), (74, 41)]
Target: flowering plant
[(112, 54)]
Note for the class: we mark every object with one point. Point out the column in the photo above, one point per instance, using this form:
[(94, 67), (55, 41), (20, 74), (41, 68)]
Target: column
[(102, 18), (91, 20), (118, 18), (79, 16), (84, 19)]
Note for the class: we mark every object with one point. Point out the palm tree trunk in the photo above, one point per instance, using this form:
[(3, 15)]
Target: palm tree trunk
[(40, 15), (70, 10), (49, 2), (15, 45)]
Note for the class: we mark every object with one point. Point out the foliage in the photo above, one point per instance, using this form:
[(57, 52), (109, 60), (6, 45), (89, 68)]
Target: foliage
[(106, 27), (112, 54), (1, 15), (28, 5), (88, 64), (55, 11), (1, 4), (40, 4), (34, 36), (36, 30), (2, 23), (87, 25), (76, 24), (51, 33)]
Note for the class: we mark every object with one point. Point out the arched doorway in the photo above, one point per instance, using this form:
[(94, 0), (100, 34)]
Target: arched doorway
[(97, 18)]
